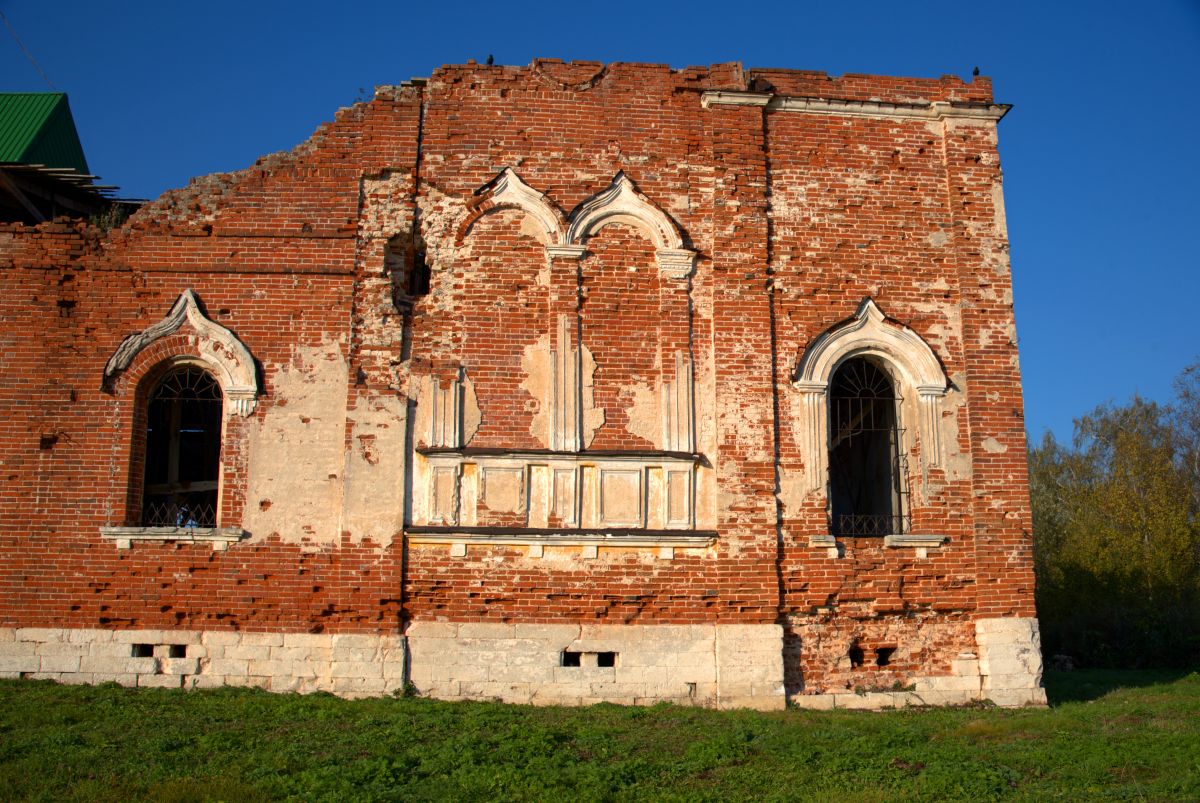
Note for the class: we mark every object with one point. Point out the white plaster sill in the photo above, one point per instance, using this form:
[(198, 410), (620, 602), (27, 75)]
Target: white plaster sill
[(917, 541), (219, 537), (589, 543)]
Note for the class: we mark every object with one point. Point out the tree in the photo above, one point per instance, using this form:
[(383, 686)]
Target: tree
[(1117, 536)]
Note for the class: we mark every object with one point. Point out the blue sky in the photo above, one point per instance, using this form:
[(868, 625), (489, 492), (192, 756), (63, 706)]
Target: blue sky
[(1101, 153)]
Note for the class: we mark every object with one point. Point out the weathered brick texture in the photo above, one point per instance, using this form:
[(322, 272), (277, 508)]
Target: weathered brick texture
[(593, 417)]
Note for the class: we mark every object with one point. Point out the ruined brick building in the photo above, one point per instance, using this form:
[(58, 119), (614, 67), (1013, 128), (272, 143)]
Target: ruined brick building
[(558, 383)]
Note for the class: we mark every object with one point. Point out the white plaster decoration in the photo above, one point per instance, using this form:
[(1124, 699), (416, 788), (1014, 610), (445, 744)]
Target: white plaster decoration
[(566, 420), (217, 347), (621, 492), (828, 543), (566, 251), (935, 110), (678, 407), (867, 334), (921, 543), (653, 491), (812, 434), (622, 203), (446, 405), (508, 190), (217, 537)]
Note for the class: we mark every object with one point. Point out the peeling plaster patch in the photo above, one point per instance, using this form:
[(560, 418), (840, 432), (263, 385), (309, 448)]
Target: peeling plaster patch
[(645, 418), (993, 446), (957, 464), (535, 364), (297, 452), (938, 239), (791, 490), (375, 470)]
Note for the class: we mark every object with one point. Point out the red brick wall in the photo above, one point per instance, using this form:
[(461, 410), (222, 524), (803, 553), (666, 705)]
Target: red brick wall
[(795, 219)]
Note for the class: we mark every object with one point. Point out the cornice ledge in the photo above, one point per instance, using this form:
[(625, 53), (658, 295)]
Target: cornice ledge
[(727, 97), (935, 110)]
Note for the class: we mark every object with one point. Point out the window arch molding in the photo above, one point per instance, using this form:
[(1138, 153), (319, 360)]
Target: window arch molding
[(184, 338), (216, 348), (899, 350)]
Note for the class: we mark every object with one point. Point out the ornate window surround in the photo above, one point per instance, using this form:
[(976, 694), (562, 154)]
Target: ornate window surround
[(914, 368), (620, 202), (213, 348)]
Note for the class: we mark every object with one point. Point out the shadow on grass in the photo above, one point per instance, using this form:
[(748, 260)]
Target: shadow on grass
[(1092, 684)]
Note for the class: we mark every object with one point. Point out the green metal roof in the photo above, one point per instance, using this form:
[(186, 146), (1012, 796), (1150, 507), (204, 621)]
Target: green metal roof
[(37, 128)]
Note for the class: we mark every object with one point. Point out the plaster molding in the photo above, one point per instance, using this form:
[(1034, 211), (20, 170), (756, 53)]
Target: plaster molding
[(620, 202), (867, 333), (935, 110), (217, 347), (509, 191)]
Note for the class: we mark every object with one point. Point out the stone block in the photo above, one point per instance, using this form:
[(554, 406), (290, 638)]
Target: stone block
[(814, 702), (8, 634), (160, 681), (485, 630), (354, 641), (181, 636), (307, 640), (965, 666), (356, 669), (248, 652), (262, 640), (354, 654), (60, 663), (1016, 698), (137, 636), (551, 633), (88, 636), (358, 685), (40, 634), (231, 667), (77, 678), (268, 667), (432, 630), (181, 666), (221, 638), (1019, 680)]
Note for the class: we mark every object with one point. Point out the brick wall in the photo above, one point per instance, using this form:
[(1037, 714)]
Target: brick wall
[(880, 188)]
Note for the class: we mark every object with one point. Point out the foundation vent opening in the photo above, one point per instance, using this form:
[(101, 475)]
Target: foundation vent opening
[(571, 658), (883, 655), (177, 651), (856, 656), (142, 651), (606, 659)]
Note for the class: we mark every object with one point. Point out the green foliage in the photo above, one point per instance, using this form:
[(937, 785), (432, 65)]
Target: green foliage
[(1117, 534), (1118, 735)]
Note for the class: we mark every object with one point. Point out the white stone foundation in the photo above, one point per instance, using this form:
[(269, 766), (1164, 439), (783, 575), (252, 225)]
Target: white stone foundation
[(724, 666), (347, 665), (721, 666)]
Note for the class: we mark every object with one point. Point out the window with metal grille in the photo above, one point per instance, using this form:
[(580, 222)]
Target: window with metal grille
[(183, 450), (866, 467)]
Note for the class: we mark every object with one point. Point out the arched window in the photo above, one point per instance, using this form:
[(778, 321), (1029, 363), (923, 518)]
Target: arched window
[(866, 476), (183, 450)]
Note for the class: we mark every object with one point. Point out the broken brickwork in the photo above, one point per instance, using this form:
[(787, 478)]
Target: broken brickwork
[(527, 377)]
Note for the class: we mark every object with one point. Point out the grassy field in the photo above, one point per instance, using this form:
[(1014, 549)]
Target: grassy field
[(1107, 736)]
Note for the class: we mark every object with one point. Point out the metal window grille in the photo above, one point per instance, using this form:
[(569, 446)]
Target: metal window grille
[(867, 467), (183, 450)]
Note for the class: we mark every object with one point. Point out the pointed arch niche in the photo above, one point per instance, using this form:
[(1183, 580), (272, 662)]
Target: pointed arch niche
[(905, 355)]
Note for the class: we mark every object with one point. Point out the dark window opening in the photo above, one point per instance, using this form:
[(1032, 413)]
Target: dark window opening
[(177, 651), (409, 269), (865, 463), (606, 659), (183, 450), (856, 656), (142, 651), (571, 658), (883, 655)]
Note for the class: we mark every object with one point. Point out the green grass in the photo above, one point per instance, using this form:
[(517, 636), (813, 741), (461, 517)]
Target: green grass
[(1109, 736)]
